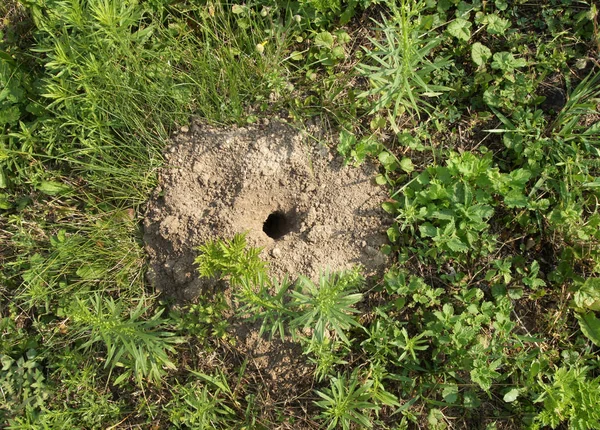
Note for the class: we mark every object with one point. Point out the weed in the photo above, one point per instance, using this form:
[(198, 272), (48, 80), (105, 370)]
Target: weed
[(345, 402), (401, 69), (139, 345), (327, 308)]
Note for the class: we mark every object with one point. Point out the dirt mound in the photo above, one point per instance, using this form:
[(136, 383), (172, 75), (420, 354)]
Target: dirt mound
[(293, 197)]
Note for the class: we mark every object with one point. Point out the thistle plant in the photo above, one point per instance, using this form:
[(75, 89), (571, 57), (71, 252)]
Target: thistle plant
[(327, 308), (344, 402), (140, 345), (399, 68)]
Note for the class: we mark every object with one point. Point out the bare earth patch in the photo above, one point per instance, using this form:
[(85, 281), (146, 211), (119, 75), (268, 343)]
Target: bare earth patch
[(292, 196)]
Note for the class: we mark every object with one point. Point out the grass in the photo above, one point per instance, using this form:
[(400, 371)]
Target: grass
[(488, 317)]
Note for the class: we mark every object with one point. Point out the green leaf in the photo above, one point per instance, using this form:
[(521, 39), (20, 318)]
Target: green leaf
[(588, 295), (386, 159), (456, 245), (407, 165), (4, 203), (450, 393), (35, 109), (52, 188), (5, 57), (390, 208), (347, 142), (393, 234), (496, 25), (506, 62), (501, 4), (91, 272), (296, 56), (324, 40), (3, 183), (460, 28), (590, 326), (480, 53), (427, 230), (484, 373), (381, 180), (519, 177), (512, 395), (515, 199), (12, 92), (10, 115), (481, 211), (237, 9), (490, 97)]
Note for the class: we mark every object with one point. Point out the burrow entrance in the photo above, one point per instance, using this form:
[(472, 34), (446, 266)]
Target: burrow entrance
[(290, 194), (278, 224)]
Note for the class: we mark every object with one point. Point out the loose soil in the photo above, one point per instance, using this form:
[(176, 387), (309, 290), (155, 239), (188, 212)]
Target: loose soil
[(285, 188)]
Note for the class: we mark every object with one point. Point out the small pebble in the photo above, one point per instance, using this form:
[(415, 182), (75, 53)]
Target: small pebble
[(371, 251), (184, 129), (276, 252)]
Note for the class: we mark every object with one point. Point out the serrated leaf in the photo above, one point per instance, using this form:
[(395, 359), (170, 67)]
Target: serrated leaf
[(444, 214), (10, 115), (456, 245), (480, 54), (491, 98), (481, 211), (496, 25), (515, 199), (515, 293), (506, 62), (460, 28), (427, 230), (519, 177), (590, 326)]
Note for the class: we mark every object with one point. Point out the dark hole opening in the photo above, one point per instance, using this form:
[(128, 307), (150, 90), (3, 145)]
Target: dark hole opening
[(277, 225)]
